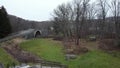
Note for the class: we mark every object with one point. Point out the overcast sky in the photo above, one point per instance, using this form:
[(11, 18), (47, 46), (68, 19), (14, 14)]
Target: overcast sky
[(38, 10)]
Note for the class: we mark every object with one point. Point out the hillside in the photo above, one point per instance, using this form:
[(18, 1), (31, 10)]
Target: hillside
[(19, 24)]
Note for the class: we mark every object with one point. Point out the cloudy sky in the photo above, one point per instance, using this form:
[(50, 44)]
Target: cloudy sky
[(39, 10)]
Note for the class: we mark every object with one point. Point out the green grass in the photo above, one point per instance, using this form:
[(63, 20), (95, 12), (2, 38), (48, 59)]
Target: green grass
[(45, 48), (53, 51), (6, 59)]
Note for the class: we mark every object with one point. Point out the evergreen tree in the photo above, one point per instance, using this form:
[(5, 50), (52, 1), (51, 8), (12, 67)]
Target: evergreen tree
[(5, 27)]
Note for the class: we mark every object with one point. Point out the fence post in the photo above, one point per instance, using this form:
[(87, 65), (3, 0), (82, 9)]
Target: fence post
[(41, 65)]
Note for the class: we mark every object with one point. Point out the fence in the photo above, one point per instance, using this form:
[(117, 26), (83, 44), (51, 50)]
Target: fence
[(52, 64), (41, 64)]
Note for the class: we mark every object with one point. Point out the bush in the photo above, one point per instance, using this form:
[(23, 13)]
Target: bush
[(59, 38), (109, 44)]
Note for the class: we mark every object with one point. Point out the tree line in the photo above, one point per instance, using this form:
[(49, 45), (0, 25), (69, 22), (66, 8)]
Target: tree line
[(74, 18)]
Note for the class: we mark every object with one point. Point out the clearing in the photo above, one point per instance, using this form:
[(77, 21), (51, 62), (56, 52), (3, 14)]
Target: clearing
[(51, 50)]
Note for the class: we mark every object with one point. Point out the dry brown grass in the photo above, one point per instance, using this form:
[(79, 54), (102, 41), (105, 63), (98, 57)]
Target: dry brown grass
[(108, 45), (71, 48)]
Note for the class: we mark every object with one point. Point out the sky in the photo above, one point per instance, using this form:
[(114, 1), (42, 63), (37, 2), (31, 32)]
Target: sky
[(37, 10)]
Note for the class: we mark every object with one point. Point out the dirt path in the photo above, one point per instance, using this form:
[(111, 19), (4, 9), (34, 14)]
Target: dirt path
[(91, 45), (12, 47)]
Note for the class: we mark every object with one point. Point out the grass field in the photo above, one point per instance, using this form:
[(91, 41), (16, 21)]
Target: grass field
[(53, 51), (6, 59)]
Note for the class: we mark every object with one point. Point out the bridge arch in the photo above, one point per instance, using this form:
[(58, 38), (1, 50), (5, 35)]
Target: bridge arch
[(37, 34)]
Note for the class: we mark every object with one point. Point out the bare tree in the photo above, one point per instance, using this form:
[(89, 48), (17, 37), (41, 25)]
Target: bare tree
[(81, 15), (63, 15), (92, 11), (115, 8), (77, 6), (103, 13)]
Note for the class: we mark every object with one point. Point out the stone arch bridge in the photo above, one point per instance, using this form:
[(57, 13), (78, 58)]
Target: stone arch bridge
[(27, 34)]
